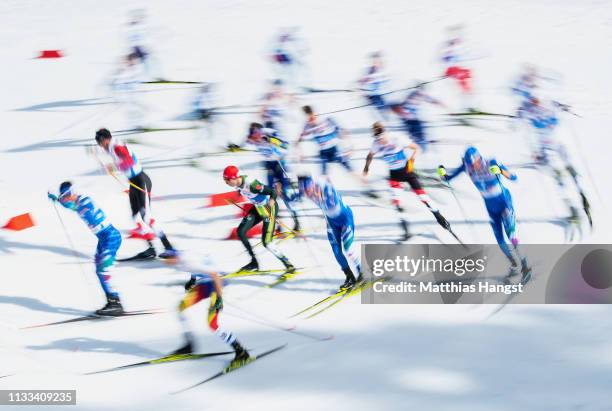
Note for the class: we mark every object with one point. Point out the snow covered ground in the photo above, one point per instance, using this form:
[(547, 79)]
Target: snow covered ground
[(380, 357)]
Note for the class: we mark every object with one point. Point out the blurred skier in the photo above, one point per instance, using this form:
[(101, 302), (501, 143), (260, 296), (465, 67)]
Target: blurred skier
[(327, 133), (203, 283), (124, 84), (485, 174), (375, 85), (340, 225), (125, 161), (264, 209), (273, 148), (275, 105), (524, 87), (453, 57), (400, 166), (409, 112), (207, 121), (288, 57), (109, 241), (550, 153), (137, 32)]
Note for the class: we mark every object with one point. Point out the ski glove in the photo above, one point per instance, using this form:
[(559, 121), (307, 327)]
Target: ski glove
[(442, 173), (52, 197)]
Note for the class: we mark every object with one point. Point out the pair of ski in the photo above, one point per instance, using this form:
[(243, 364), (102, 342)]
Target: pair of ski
[(336, 298), (96, 317), (185, 357), (283, 275)]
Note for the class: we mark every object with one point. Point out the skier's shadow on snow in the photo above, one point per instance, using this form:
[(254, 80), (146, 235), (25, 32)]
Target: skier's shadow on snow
[(51, 144), (397, 366), (85, 344), (38, 305), (66, 103), (289, 285), (8, 246)]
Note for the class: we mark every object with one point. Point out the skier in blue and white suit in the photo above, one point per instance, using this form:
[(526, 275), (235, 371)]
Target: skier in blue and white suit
[(340, 225), (327, 133), (375, 83), (273, 148), (485, 174), (109, 241)]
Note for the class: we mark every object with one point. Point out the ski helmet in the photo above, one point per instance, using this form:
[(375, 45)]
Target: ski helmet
[(65, 191), (65, 188), (231, 172), (471, 156)]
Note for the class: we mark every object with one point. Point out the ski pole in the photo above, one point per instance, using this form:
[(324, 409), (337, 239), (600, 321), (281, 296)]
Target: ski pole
[(384, 94), (72, 248), (442, 174)]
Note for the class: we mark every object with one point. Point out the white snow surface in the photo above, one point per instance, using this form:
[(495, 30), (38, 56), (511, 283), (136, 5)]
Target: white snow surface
[(394, 357)]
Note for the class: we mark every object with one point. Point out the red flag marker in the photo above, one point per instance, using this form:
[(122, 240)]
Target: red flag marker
[(20, 222), (50, 54), (223, 199)]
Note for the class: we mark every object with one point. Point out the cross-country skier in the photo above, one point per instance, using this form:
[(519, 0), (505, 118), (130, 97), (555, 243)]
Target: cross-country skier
[(400, 166), (375, 83), (126, 162), (409, 112), (124, 84), (340, 225), (136, 38), (551, 154), (453, 57), (264, 208), (109, 241), (203, 283), (288, 53), (525, 85), (274, 105), (485, 174), (327, 133), (273, 148)]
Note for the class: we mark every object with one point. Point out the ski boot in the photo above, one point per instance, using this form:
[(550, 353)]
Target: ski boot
[(185, 349), (147, 254), (350, 280), (515, 268), (242, 356), (252, 266), (296, 226), (441, 220), (407, 234), (112, 308), (525, 271), (169, 254), (289, 268), (573, 218)]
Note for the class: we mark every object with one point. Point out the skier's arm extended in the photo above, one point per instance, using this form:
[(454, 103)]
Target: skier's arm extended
[(498, 168)]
